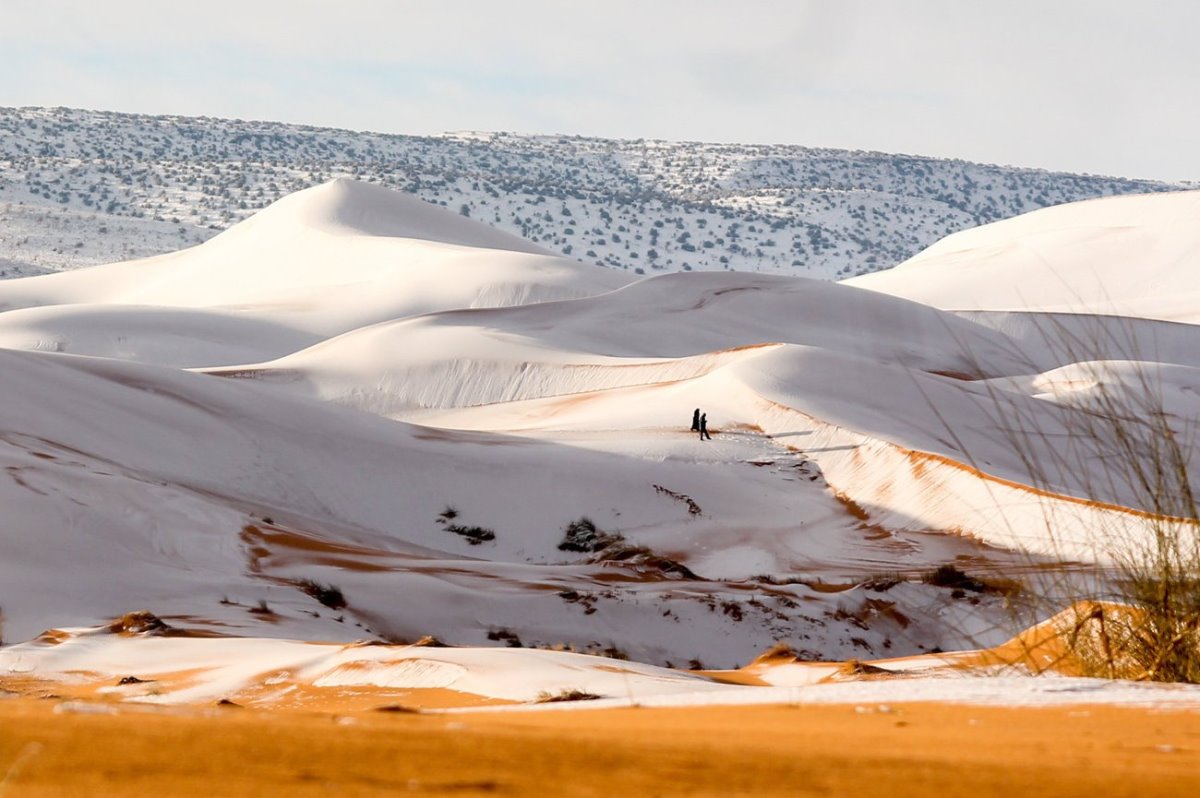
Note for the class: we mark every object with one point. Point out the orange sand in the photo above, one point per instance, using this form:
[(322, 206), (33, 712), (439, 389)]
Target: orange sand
[(913, 749)]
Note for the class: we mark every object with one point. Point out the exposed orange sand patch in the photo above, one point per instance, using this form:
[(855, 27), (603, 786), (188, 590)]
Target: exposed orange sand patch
[(271, 689), (269, 541), (311, 698), (1069, 644), (746, 676), (53, 637), (916, 749), (1044, 648), (90, 686), (276, 691)]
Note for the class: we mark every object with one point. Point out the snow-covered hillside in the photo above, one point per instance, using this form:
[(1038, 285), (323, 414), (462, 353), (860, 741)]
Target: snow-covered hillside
[(86, 187)]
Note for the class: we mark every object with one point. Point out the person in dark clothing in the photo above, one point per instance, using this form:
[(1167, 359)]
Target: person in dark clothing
[(704, 436), (696, 420)]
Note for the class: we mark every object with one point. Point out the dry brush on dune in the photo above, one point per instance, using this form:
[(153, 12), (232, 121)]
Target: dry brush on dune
[(1115, 475)]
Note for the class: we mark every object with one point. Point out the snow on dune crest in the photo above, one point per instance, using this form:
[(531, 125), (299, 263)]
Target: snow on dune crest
[(683, 314), (657, 330), (328, 260), (348, 207), (1132, 255), (369, 377)]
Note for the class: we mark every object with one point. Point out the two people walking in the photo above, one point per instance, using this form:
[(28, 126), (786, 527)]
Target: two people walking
[(700, 424)]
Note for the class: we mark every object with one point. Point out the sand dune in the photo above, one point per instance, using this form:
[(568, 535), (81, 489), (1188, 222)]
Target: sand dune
[(138, 660), (1131, 256), (317, 263), (356, 390)]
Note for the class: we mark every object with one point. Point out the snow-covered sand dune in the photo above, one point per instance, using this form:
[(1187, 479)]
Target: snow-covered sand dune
[(910, 391), (1131, 256), (317, 263), (156, 665), (473, 439), (168, 477)]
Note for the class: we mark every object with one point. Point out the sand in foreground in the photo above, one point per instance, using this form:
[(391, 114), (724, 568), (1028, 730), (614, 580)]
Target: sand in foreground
[(907, 749)]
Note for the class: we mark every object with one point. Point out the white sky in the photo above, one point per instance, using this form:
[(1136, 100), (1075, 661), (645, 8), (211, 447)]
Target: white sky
[(1079, 85)]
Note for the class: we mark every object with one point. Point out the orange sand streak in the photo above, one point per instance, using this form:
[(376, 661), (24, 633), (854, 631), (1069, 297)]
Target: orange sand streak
[(917, 457)]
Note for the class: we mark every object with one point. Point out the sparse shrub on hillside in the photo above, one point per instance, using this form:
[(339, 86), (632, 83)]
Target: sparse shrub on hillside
[(139, 622), (583, 536), (644, 559), (881, 583), (506, 636), (428, 641), (474, 534), (949, 576), (566, 694), (329, 595), (693, 507), (586, 600), (610, 651)]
